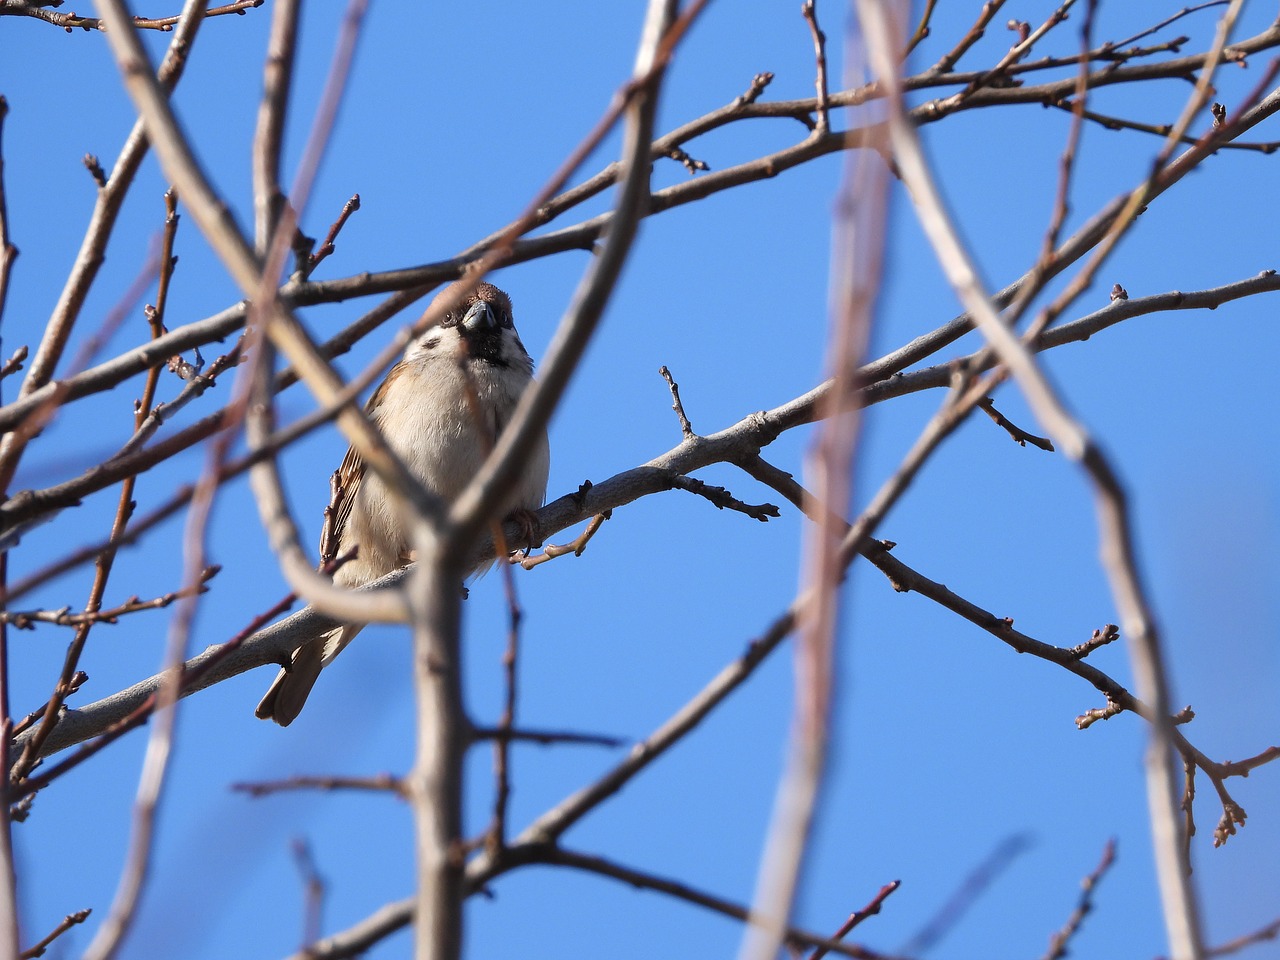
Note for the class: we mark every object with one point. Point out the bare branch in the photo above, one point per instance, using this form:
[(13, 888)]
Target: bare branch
[(70, 21), (820, 56), (326, 248), (1020, 436), (382, 783), (69, 921), (723, 499), (686, 428), (858, 917)]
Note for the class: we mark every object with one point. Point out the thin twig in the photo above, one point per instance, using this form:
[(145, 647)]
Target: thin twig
[(71, 22), (809, 11), (77, 681), (1185, 11), (1019, 435), (1270, 932), (9, 907), (686, 428), (975, 33), (14, 363), (381, 783), (922, 28), (793, 937), (723, 499), (326, 248), (1100, 638), (1059, 942), (546, 737), (67, 922), (496, 839), (857, 917)]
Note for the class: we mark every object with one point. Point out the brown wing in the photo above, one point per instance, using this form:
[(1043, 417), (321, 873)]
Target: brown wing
[(345, 484)]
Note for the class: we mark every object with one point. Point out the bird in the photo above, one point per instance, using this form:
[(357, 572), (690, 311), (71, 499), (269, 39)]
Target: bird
[(440, 408)]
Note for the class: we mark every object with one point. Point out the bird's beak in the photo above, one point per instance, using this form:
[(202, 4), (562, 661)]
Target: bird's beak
[(479, 317)]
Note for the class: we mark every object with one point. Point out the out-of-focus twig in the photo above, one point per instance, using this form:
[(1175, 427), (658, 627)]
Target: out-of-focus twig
[(268, 138), (1059, 942)]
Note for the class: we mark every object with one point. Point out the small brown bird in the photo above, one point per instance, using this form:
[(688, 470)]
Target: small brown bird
[(440, 408)]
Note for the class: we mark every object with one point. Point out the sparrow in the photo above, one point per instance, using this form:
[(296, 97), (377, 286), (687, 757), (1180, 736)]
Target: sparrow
[(440, 408)]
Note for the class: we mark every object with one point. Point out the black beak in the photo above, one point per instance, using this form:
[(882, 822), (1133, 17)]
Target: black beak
[(480, 318)]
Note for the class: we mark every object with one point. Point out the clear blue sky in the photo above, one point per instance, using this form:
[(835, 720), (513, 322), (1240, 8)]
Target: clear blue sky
[(945, 745)]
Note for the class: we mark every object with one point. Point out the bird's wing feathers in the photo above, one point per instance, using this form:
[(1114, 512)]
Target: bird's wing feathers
[(349, 476)]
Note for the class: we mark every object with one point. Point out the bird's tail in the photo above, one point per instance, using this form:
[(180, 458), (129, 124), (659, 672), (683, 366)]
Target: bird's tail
[(287, 695)]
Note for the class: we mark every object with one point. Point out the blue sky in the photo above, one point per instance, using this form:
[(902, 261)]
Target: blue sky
[(945, 743)]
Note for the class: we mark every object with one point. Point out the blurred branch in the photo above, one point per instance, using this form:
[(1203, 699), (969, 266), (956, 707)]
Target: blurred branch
[(1059, 942), (1178, 896), (967, 893), (859, 228), (136, 870), (1270, 932), (313, 888), (268, 139), (496, 836)]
